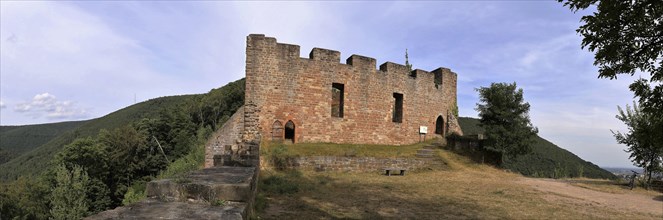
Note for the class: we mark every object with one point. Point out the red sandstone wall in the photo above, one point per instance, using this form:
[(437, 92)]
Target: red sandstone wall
[(287, 87), (228, 135)]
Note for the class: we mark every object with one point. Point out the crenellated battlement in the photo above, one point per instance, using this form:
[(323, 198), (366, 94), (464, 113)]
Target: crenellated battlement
[(360, 61), (322, 99), (291, 52), (320, 54)]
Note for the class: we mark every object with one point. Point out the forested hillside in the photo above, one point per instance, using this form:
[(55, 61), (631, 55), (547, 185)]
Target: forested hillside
[(17, 140), (37, 160), (203, 109), (112, 157), (546, 159)]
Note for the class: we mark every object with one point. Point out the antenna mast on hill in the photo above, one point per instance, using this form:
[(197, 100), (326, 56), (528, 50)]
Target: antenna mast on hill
[(407, 61)]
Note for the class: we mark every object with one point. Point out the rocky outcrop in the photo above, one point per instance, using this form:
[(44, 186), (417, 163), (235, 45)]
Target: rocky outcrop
[(212, 193)]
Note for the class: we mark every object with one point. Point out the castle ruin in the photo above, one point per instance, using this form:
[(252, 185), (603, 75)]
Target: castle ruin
[(319, 99)]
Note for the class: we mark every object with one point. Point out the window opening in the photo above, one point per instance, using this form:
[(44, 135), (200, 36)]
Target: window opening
[(438, 80), (337, 100), (398, 108), (290, 131)]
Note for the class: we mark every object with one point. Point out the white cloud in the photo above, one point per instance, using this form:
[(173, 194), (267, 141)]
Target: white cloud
[(66, 50), (47, 105)]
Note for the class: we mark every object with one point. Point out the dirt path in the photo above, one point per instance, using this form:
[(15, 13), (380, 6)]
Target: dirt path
[(626, 201)]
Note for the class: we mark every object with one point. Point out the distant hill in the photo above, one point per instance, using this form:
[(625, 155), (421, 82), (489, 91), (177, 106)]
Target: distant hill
[(546, 159), (223, 101), (17, 140), (37, 160)]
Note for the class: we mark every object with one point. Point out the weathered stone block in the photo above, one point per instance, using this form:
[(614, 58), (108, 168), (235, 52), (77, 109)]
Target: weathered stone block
[(165, 190), (156, 209)]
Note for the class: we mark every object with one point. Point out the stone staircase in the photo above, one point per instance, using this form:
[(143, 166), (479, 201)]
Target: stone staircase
[(425, 153), (428, 153), (212, 193)]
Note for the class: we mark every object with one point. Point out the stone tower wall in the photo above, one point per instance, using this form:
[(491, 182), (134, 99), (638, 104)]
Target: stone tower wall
[(286, 87), (225, 141)]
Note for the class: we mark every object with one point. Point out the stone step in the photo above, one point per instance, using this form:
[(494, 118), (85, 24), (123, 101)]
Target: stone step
[(425, 151), (217, 183), (431, 147), (157, 209), (424, 155)]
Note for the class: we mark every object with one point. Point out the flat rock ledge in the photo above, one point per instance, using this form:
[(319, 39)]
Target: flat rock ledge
[(192, 196), (156, 209)]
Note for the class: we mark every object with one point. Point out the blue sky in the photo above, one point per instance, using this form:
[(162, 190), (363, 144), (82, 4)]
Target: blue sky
[(80, 60)]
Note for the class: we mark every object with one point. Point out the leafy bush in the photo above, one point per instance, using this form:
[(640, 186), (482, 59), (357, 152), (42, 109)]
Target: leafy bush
[(135, 193), (280, 157), (218, 202), (260, 203), (192, 161)]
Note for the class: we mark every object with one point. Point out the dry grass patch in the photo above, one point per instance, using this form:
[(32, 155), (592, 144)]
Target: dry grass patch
[(464, 191), (609, 186)]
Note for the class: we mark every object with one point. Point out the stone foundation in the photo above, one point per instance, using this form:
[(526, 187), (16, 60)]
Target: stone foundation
[(354, 164)]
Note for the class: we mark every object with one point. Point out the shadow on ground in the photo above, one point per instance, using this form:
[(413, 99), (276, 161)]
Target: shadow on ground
[(292, 195), (659, 198)]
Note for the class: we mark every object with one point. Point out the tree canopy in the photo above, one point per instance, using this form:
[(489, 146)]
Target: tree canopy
[(643, 143), (627, 37), (505, 119), (68, 196)]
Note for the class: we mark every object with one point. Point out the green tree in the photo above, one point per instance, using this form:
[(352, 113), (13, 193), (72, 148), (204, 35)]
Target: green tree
[(24, 199), (131, 157), (627, 37), (86, 153), (642, 140), (68, 198), (92, 157), (505, 118), (215, 107)]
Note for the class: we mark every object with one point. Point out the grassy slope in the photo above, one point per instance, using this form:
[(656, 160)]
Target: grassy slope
[(21, 139), (37, 160), (545, 158), (463, 190)]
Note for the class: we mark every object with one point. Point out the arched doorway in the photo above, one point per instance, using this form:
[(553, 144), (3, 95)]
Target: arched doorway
[(277, 131), (290, 131), (439, 125)]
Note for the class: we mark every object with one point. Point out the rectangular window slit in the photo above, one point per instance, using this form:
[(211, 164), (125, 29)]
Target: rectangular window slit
[(398, 108), (337, 100)]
